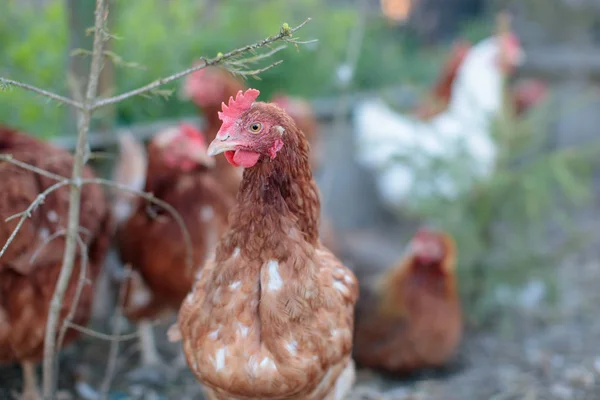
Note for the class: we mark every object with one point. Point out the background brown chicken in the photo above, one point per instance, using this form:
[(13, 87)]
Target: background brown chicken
[(410, 317), (31, 265), (271, 315), (150, 240), (208, 88)]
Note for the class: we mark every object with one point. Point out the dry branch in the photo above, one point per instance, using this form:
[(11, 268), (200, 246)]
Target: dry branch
[(27, 213), (285, 34), (83, 266), (84, 116), (113, 353), (9, 158), (4, 82)]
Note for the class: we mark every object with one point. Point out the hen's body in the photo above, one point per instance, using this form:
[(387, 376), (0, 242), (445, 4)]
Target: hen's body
[(31, 265), (409, 317), (152, 242), (271, 316)]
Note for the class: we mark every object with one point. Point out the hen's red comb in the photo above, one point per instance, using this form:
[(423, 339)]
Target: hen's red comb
[(236, 107)]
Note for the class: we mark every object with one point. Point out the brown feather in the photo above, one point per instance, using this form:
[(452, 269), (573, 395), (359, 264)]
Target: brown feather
[(409, 317), (27, 284), (152, 242)]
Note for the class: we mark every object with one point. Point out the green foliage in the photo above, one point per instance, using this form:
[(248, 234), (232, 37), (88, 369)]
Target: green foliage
[(156, 38), (33, 51), (501, 227)]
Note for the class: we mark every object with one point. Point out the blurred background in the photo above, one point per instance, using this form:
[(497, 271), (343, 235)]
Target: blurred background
[(528, 237)]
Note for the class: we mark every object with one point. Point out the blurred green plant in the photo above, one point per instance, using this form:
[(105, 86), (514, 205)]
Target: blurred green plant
[(502, 226), (34, 50), (157, 38)]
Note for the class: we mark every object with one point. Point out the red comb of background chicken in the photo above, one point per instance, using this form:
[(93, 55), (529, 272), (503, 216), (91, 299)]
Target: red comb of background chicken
[(191, 131), (236, 107)]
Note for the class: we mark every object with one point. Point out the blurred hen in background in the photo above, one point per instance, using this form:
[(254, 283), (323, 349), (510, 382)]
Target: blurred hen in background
[(208, 88), (402, 150), (523, 94), (180, 173), (32, 263), (408, 317)]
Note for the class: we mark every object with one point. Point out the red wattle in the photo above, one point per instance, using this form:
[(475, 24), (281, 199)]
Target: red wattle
[(229, 156), (245, 158), (242, 158)]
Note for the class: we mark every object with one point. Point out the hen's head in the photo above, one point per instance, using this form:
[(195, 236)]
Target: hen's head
[(250, 130), (182, 147), (432, 248), (209, 86)]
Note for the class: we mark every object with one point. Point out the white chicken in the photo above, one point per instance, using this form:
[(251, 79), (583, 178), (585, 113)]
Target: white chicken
[(414, 159)]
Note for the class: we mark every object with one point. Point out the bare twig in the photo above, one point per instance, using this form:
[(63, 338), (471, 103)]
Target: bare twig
[(285, 34), (102, 336), (27, 213), (256, 58), (255, 72), (50, 238), (65, 100), (111, 364), (81, 152), (151, 198), (83, 266), (9, 158)]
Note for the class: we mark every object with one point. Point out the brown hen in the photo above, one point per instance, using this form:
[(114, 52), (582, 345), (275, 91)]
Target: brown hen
[(271, 315), (150, 240), (410, 317), (31, 265)]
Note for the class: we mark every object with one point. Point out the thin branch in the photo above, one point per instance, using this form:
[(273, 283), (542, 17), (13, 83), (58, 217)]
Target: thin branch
[(9, 158), (83, 266), (113, 353), (50, 238), (285, 34), (100, 335), (256, 58), (4, 82), (151, 198), (81, 152), (257, 71), (27, 213)]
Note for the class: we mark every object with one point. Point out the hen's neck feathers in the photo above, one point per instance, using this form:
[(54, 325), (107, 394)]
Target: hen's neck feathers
[(274, 189), (477, 91)]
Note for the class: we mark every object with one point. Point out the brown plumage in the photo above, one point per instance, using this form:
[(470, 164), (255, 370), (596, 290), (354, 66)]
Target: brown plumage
[(409, 317), (151, 241), (271, 315), (304, 116), (441, 91), (30, 267)]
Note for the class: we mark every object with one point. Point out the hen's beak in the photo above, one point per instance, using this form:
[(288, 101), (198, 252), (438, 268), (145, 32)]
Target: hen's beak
[(219, 146)]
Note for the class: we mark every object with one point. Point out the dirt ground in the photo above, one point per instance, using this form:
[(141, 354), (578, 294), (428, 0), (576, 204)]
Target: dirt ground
[(537, 355)]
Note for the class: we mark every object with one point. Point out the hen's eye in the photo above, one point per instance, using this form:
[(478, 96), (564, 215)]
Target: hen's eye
[(255, 128)]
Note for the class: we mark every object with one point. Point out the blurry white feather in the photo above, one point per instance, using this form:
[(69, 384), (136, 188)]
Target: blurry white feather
[(461, 132)]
